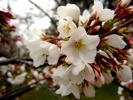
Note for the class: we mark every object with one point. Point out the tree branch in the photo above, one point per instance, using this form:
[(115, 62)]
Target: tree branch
[(15, 60), (127, 89)]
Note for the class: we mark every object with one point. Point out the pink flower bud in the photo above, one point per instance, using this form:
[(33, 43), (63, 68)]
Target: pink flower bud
[(129, 40)]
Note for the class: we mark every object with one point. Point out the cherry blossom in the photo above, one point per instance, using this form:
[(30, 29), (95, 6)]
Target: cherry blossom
[(70, 10), (66, 27), (102, 13), (79, 47)]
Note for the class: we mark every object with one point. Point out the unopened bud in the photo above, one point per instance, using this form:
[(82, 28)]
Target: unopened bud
[(129, 40), (130, 9), (93, 30), (124, 3)]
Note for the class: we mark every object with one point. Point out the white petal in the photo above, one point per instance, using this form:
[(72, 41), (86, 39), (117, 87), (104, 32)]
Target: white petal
[(60, 90), (89, 91), (126, 73), (97, 5), (91, 41), (77, 33), (89, 75), (88, 56), (108, 77), (103, 15), (77, 79), (57, 75), (61, 11), (85, 16), (98, 83), (67, 73), (59, 71), (74, 58), (52, 60), (76, 69), (73, 11), (72, 89), (39, 60), (115, 41), (54, 51), (45, 46), (67, 48)]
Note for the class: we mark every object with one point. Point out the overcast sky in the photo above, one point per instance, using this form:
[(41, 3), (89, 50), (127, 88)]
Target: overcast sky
[(21, 7)]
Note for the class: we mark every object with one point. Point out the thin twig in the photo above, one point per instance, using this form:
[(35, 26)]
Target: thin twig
[(45, 13), (127, 89), (15, 60)]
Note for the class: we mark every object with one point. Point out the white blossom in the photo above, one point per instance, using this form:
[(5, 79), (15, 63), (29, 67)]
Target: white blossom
[(41, 50), (89, 90), (70, 88), (70, 10), (58, 75), (18, 79), (54, 54), (107, 76), (77, 78), (102, 14), (66, 27), (115, 41), (125, 73), (80, 47), (85, 16)]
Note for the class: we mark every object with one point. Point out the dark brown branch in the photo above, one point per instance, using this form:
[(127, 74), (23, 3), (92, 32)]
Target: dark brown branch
[(4, 53), (127, 89), (19, 91), (45, 13), (16, 61), (14, 93)]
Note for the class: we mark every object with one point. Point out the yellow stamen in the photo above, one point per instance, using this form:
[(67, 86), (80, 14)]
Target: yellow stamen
[(66, 29), (79, 44)]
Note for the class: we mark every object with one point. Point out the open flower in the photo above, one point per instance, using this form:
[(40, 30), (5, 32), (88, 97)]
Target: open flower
[(66, 27), (80, 47), (70, 10), (102, 14), (39, 52)]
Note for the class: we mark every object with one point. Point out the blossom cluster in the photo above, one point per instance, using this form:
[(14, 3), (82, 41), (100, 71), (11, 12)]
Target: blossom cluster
[(89, 48)]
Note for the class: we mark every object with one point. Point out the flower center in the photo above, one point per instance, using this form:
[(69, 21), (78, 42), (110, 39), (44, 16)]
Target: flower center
[(66, 29), (79, 44)]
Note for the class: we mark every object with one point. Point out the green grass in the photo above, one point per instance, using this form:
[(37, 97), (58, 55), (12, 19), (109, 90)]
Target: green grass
[(107, 92)]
